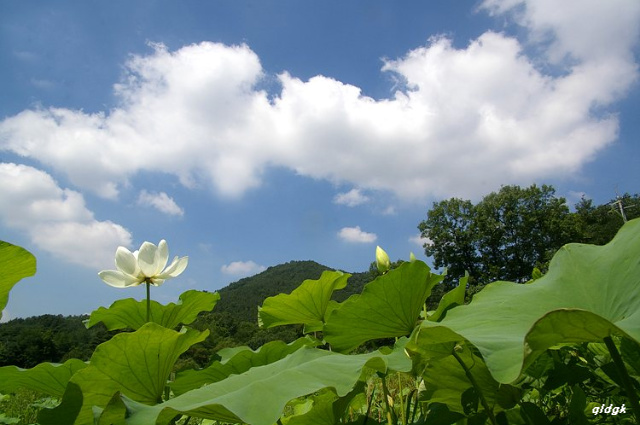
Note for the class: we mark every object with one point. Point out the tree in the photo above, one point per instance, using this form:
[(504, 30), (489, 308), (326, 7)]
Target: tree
[(599, 224), (503, 237), (452, 243)]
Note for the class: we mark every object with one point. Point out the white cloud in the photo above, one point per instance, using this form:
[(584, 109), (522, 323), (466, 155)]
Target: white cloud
[(419, 241), (356, 235), (466, 121), (390, 210), (351, 198), (586, 30), (160, 201), (6, 316), (56, 219), (242, 268)]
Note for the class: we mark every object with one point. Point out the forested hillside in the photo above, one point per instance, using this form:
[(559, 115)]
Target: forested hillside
[(48, 338)]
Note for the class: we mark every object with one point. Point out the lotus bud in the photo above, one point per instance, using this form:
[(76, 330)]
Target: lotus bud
[(382, 260), (412, 257)]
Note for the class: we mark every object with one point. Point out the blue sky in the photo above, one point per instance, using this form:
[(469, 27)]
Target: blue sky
[(248, 134)]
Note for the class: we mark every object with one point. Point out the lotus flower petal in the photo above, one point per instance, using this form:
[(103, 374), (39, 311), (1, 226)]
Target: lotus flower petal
[(157, 282), (118, 279), (176, 267), (147, 259), (126, 262), (162, 256)]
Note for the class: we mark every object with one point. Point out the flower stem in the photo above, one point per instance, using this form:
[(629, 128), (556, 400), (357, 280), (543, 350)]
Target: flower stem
[(148, 300)]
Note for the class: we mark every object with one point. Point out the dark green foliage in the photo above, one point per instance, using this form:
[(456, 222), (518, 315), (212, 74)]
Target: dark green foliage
[(450, 227), (48, 338), (509, 232), (599, 224)]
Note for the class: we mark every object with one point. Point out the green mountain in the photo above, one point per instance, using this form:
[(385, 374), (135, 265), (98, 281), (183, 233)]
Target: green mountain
[(243, 297)]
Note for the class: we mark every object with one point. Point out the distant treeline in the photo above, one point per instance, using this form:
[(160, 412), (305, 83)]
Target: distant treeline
[(48, 338)]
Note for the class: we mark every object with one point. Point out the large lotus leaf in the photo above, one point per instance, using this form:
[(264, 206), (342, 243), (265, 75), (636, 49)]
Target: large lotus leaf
[(47, 378), (258, 396), (241, 361), (327, 408), (388, 307), (65, 412), (16, 263), (137, 364), (114, 412), (589, 293), (451, 299), (446, 380), (306, 305), (129, 313), (320, 413)]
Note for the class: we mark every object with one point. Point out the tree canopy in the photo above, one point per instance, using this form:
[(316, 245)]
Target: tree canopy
[(509, 232)]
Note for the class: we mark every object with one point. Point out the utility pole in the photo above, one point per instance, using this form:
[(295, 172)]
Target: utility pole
[(621, 207)]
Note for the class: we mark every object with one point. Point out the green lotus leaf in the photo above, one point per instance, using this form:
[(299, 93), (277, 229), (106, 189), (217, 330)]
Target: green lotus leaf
[(590, 292), (258, 396), (446, 381), (137, 364), (129, 313), (114, 412), (450, 299), (16, 263), (445, 378), (66, 411), (307, 304), (388, 307), (327, 408), (320, 413), (242, 360), (47, 378)]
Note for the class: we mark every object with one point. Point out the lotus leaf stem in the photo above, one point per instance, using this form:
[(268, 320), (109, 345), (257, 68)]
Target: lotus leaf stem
[(366, 418), (385, 391), (624, 375), (402, 411), (467, 372)]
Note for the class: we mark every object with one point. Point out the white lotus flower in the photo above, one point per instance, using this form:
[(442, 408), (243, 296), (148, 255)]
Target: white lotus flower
[(147, 265)]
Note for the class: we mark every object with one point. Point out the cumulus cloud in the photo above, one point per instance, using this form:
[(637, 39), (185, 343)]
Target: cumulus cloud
[(419, 241), (352, 198), (242, 268), (160, 201), (56, 219), (356, 235), (577, 29), (464, 121)]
